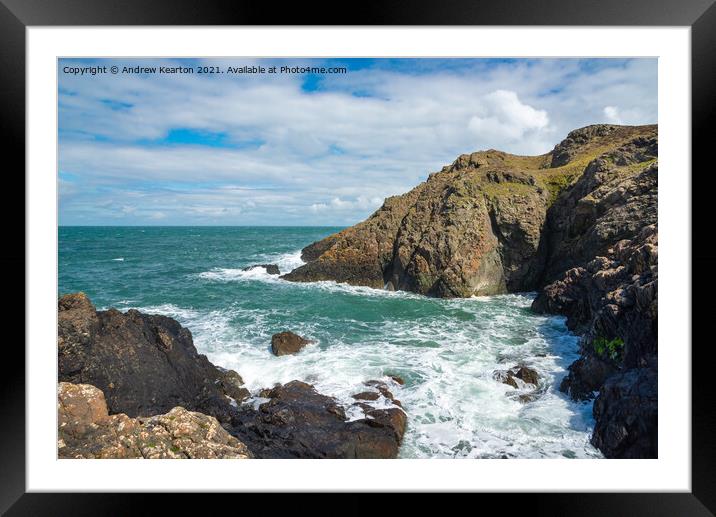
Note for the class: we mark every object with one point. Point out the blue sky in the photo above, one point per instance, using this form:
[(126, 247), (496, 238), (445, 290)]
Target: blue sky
[(312, 149)]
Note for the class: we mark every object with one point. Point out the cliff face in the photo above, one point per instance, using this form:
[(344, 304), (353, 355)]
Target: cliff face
[(578, 224), (601, 272), (474, 228)]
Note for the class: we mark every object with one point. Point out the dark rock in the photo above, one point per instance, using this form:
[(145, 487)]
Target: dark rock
[(381, 387), (144, 364), (524, 373), (271, 269), (398, 379), (285, 343), (601, 272), (524, 398), (148, 368), (298, 422), (586, 376), (367, 395), (626, 414)]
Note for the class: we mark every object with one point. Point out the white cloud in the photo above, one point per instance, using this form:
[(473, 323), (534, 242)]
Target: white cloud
[(293, 156), (612, 114), (503, 117)]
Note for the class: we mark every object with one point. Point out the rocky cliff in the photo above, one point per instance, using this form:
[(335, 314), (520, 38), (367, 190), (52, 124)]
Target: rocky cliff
[(601, 271), (578, 225), (133, 385), (476, 227)]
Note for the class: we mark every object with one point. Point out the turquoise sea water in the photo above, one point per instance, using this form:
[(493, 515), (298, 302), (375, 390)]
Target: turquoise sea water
[(446, 350)]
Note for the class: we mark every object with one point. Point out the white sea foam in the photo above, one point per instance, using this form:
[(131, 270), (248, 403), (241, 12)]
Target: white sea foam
[(455, 406), (118, 259)]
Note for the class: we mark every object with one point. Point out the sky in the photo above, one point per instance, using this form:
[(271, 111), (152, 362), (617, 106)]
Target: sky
[(311, 148)]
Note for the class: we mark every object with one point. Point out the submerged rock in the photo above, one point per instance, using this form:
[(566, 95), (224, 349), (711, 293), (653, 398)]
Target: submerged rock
[(367, 395), (285, 343), (525, 374), (397, 379), (86, 430), (298, 422), (144, 364), (271, 269)]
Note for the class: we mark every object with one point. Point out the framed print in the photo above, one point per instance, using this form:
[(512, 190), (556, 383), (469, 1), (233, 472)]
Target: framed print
[(259, 256)]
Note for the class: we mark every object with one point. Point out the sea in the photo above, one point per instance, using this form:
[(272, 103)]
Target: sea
[(446, 351)]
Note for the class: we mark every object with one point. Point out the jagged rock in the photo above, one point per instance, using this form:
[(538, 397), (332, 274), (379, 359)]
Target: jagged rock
[(271, 269), (612, 294), (398, 379), (144, 364), (86, 430), (626, 414), (383, 390), (524, 373), (285, 343), (586, 376), (475, 227), (601, 272), (367, 395), (298, 422)]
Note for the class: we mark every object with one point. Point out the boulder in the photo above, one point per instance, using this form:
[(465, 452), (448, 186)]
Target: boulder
[(298, 422), (285, 343), (525, 374), (367, 395), (144, 364), (86, 430)]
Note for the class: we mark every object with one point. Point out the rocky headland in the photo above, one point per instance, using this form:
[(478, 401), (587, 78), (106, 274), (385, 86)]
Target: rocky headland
[(578, 225)]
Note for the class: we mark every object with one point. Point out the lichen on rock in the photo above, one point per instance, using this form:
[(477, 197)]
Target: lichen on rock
[(86, 430)]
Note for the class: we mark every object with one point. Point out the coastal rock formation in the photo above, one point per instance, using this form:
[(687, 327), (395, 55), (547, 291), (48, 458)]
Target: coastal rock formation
[(144, 364), (626, 413), (285, 343), (271, 269), (578, 224), (601, 272), (518, 376), (133, 386), (474, 228), (298, 422), (86, 430)]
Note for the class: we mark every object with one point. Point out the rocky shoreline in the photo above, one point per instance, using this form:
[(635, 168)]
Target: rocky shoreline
[(578, 225), (133, 385)]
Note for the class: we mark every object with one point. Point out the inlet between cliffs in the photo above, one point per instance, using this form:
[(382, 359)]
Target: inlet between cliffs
[(447, 360)]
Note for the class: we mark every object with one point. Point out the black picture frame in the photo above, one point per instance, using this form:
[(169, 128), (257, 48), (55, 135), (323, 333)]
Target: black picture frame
[(700, 15)]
